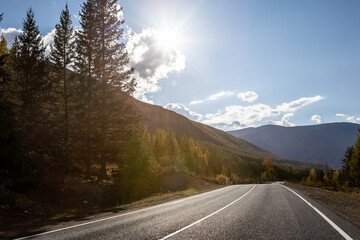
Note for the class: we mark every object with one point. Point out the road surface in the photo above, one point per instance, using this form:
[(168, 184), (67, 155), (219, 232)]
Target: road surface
[(263, 211)]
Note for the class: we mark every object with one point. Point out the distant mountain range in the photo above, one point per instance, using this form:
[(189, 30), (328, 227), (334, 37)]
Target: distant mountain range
[(159, 117), (323, 143)]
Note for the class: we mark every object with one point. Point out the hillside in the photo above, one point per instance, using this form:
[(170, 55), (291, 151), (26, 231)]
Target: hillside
[(159, 117), (323, 143)]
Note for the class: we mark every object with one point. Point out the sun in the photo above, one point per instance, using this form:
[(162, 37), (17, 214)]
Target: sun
[(170, 38)]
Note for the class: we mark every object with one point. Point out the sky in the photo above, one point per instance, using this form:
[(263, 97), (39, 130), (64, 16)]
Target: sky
[(232, 64)]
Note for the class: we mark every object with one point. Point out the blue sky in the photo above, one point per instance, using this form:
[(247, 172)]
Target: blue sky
[(234, 64)]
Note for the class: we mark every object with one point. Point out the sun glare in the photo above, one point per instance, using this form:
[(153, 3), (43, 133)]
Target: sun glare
[(168, 38)]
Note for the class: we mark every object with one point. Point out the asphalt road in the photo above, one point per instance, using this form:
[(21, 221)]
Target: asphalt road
[(265, 211)]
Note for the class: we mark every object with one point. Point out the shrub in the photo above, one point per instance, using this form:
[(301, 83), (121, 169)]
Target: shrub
[(222, 179)]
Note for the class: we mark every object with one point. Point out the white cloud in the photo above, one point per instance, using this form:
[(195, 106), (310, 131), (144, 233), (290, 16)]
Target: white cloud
[(297, 104), (349, 118), (213, 97), (285, 120), (236, 116), (183, 110), (316, 118), (248, 96), (244, 116), (48, 40), (218, 95), (10, 34), (196, 102), (152, 61)]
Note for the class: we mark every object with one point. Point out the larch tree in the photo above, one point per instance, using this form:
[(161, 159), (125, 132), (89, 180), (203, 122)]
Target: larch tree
[(159, 140), (3, 45), (6, 87), (62, 54), (4, 52)]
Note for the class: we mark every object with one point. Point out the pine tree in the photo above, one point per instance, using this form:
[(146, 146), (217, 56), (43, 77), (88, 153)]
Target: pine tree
[(30, 67), (110, 65), (62, 54), (112, 58), (85, 67), (355, 162), (345, 170), (102, 62)]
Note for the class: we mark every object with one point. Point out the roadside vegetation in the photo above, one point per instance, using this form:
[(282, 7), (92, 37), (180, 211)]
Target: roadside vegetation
[(346, 179)]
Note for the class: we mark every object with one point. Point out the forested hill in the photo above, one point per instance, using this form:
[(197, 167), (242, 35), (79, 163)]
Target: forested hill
[(157, 117), (323, 143)]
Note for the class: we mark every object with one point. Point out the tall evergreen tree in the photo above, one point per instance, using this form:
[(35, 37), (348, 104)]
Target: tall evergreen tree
[(345, 170), (111, 62), (102, 62), (84, 65), (355, 162), (62, 54), (30, 68)]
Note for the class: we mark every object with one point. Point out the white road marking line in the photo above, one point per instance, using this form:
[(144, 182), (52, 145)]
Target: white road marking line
[(117, 216), (202, 219), (347, 237)]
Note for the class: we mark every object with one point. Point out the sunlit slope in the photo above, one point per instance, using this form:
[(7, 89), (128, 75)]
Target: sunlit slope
[(323, 143), (158, 117)]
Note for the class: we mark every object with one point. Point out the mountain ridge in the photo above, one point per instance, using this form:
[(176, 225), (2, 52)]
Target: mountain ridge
[(321, 143)]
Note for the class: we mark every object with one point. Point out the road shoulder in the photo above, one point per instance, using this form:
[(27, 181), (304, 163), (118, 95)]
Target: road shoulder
[(14, 226), (346, 205)]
